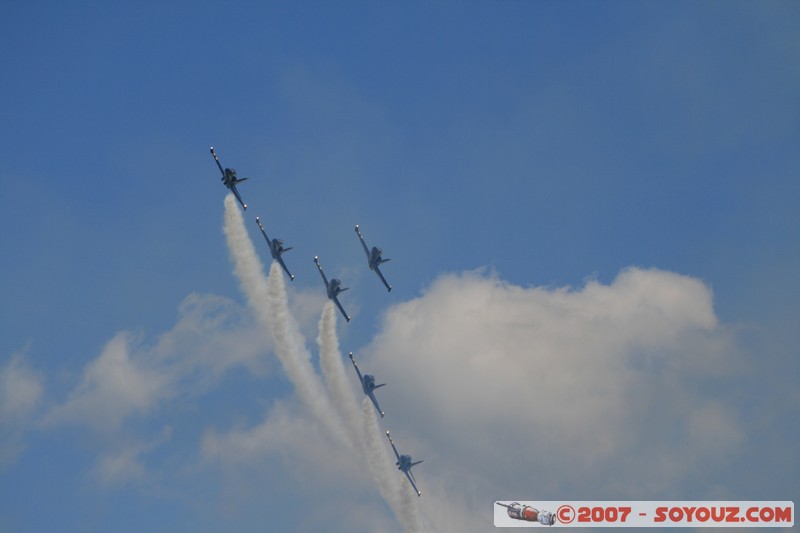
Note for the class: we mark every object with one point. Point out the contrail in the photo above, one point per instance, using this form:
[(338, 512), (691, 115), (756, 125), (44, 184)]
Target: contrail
[(400, 499), (380, 464), (332, 367), (268, 299), (364, 424)]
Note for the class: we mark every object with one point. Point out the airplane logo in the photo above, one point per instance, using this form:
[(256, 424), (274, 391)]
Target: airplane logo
[(528, 513)]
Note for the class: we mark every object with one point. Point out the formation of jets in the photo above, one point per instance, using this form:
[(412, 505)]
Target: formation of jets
[(333, 288), (276, 249), (404, 462)]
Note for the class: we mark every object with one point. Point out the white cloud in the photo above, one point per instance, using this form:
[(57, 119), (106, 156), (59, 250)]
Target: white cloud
[(511, 392), (504, 391), (293, 435), (124, 464), (289, 457), (20, 390), (112, 387), (599, 389), (212, 334), (20, 394)]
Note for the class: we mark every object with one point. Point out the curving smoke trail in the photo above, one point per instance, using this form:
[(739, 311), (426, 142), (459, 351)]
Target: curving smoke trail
[(268, 299), (401, 499), (380, 464), (335, 375), (390, 484)]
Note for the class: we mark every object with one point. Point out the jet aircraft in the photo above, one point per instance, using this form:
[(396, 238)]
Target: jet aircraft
[(374, 258), (404, 464), (333, 287), (368, 385), (229, 178), (276, 249)]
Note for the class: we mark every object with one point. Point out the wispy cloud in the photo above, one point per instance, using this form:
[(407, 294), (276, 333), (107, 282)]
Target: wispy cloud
[(21, 392), (112, 387), (499, 388), (580, 387), (124, 464), (268, 299), (130, 377)]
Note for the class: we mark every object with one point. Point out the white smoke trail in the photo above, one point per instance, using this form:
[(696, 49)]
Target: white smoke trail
[(380, 463), (400, 499), (268, 299), (333, 368)]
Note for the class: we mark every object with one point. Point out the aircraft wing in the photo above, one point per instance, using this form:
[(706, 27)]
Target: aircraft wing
[(410, 477), (360, 378), (321, 273), (283, 266), (232, 187), (264, 233), (380, 275), (393, 447), (344, 313), (218, 163), (361, 238), (375, 403)]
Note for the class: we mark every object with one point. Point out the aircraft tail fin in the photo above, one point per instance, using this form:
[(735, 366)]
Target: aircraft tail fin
[(387, 259), (379, 386), (287, 249)]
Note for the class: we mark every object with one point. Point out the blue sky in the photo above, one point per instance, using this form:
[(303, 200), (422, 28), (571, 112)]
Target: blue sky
[(552, 145)]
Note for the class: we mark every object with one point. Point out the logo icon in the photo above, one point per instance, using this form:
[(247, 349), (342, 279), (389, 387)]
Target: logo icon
[(528, 513)]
